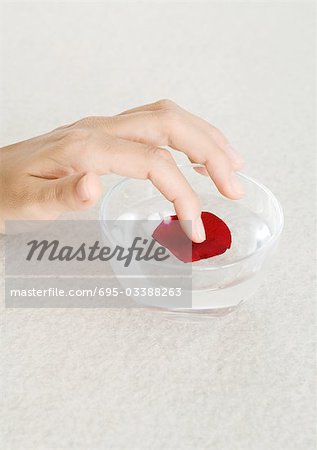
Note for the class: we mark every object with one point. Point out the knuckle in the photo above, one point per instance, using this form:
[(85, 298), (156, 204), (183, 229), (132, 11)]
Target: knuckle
[(170, 119), (219, 159), (75, 137), (218, 135), (222, 158), (160, 155), (87, 121), (166, 103), (171, 124)]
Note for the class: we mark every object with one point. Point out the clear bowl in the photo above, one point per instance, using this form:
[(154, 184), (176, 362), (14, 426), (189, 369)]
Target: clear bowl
[(221, 283)]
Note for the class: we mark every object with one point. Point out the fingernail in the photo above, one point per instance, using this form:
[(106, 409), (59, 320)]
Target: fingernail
[(236, 185), (234, 154), (199, 233), (82, 189)]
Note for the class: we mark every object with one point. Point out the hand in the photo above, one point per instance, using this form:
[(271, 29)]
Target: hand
[(58, 171)]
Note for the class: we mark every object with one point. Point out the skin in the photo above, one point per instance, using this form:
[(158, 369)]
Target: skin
[(59, 171)]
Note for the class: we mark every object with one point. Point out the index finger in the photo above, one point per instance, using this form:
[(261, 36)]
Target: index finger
[(137, 160)]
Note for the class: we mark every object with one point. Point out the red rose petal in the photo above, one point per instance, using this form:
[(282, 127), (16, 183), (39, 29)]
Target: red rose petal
[(171, 236)]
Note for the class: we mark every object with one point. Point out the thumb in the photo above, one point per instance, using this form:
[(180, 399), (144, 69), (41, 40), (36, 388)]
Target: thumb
[(74, 192)]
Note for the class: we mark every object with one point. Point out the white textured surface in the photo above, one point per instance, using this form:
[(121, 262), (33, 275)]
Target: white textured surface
[(113, 379)]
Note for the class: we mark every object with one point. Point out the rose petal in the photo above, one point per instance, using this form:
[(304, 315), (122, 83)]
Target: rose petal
[(218, 238)]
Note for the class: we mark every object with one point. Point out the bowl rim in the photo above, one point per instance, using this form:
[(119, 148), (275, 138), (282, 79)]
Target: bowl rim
[(268, 243)]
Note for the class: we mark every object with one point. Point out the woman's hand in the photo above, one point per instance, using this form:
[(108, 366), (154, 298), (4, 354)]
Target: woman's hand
[(58, 171)]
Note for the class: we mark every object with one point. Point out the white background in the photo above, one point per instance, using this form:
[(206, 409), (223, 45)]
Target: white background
[(100, 379)]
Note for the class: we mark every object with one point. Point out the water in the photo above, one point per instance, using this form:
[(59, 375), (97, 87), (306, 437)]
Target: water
[(249, 231), (216, 290)]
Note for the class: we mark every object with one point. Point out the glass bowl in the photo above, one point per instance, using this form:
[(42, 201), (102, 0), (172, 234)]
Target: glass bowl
[(220, 283)]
